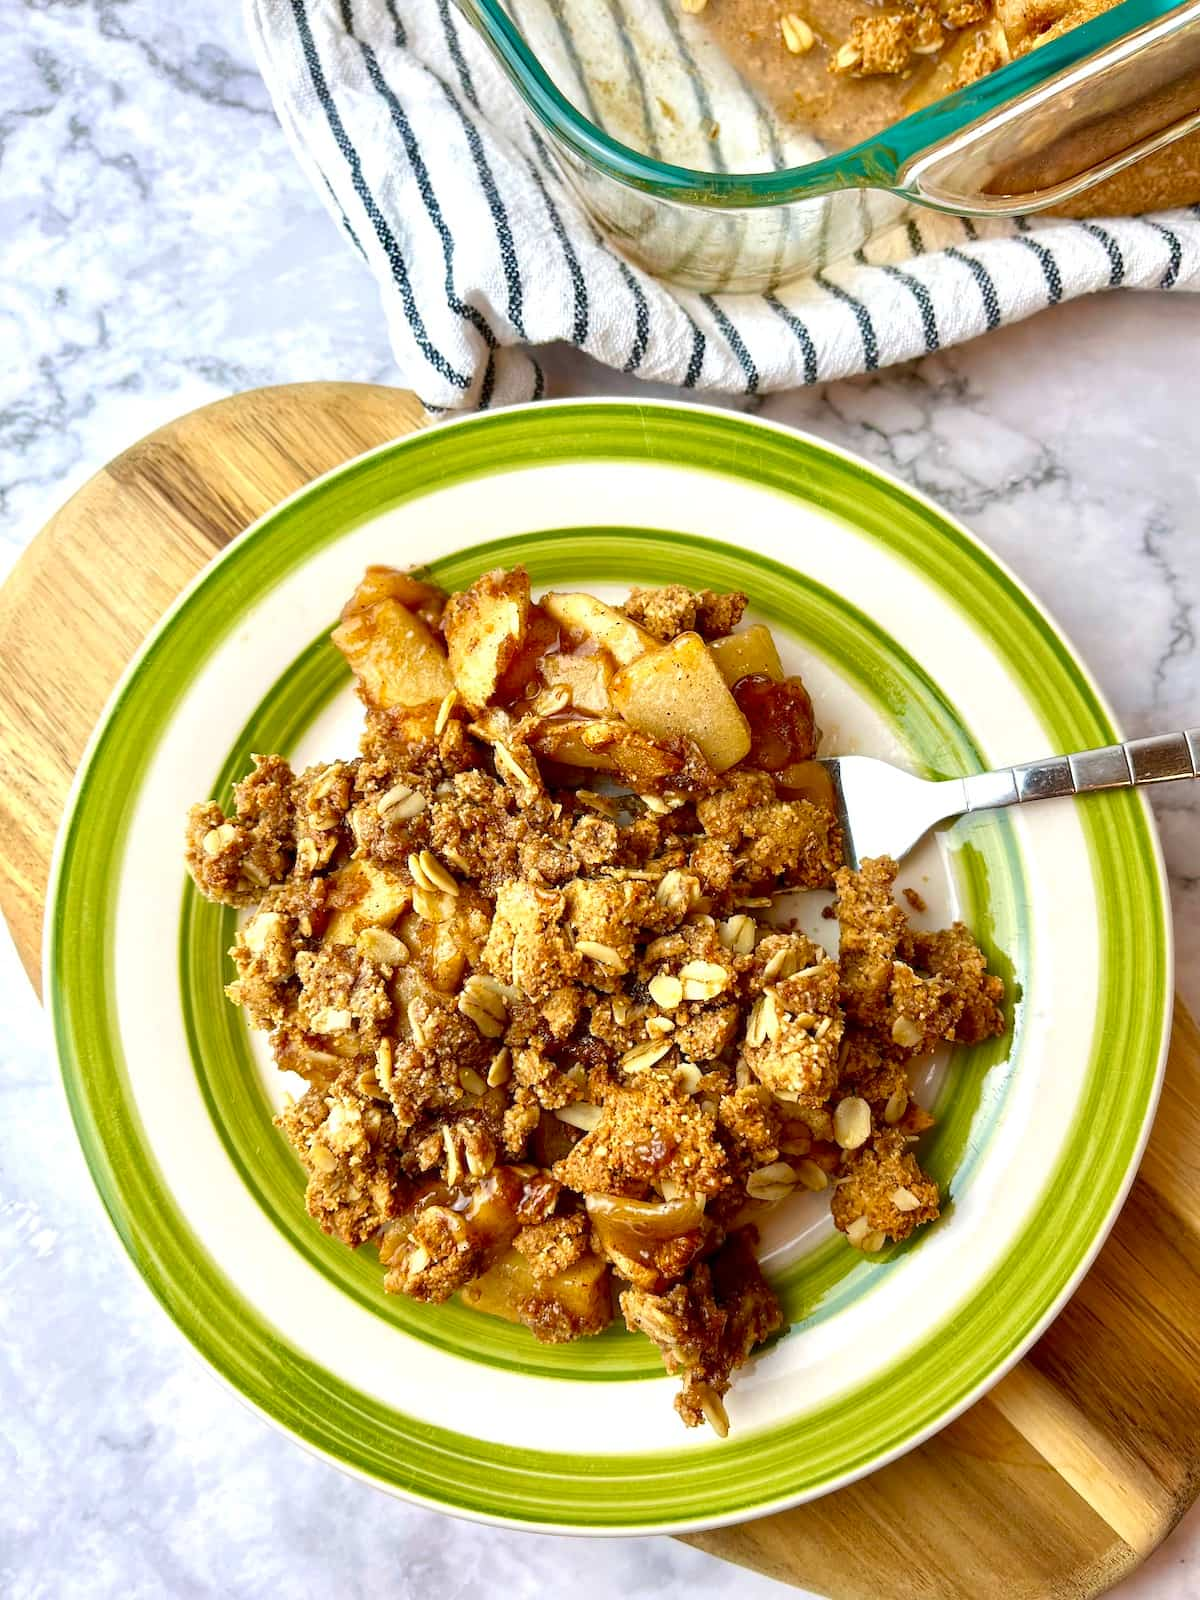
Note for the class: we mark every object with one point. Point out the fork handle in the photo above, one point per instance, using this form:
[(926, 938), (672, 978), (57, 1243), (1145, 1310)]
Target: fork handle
[(1114, 766)]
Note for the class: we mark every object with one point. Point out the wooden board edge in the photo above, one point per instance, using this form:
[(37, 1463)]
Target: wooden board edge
[(352, 417)]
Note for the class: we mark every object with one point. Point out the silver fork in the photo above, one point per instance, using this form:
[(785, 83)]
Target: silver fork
[(884, 810)]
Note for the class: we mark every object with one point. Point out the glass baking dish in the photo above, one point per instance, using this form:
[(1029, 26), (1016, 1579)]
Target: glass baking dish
[(700, 170)]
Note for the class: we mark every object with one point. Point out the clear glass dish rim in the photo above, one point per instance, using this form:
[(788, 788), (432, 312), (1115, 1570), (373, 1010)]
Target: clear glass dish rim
[(873, 163)]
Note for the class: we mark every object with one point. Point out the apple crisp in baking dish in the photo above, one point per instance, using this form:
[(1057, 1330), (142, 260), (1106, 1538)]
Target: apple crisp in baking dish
[(528, 950), (848, 69), (845, 70)]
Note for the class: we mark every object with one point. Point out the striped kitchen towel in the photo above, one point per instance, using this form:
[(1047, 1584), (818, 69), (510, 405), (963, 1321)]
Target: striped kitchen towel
[(426, 157)]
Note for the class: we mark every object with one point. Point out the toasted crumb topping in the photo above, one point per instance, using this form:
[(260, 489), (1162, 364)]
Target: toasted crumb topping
[(554, 1245), (882, 1183), (674, 609)]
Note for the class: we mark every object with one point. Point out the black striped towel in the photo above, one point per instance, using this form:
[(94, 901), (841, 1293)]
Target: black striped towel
[(425, 155)]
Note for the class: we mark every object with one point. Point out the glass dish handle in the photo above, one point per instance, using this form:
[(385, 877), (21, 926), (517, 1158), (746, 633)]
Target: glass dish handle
[(1127, 100)]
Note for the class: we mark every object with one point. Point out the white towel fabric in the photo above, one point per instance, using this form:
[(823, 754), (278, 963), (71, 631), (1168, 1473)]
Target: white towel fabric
[(427, 157)]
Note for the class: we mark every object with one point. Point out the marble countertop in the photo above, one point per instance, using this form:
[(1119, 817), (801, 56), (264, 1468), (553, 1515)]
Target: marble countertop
[(159, 249)]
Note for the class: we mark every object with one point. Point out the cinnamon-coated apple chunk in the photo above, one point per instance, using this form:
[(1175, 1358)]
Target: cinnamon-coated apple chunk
[(496, 637), (425, 599), (572, 1303), (394, 654), (364, 894), (607, 744), (679, 692), (586, 679), (585, 621), (752, 652)]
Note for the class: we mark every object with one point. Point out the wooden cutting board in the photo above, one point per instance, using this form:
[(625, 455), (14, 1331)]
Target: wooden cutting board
[(1071, 1470)]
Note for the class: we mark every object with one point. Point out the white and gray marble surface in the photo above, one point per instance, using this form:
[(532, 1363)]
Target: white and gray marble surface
[(159, 249)]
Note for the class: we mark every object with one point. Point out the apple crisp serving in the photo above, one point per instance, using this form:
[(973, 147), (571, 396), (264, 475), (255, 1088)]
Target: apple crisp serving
[(528, 953)]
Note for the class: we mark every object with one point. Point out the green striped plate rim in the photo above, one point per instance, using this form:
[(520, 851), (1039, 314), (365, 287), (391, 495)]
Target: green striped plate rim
[(893, 1407)]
